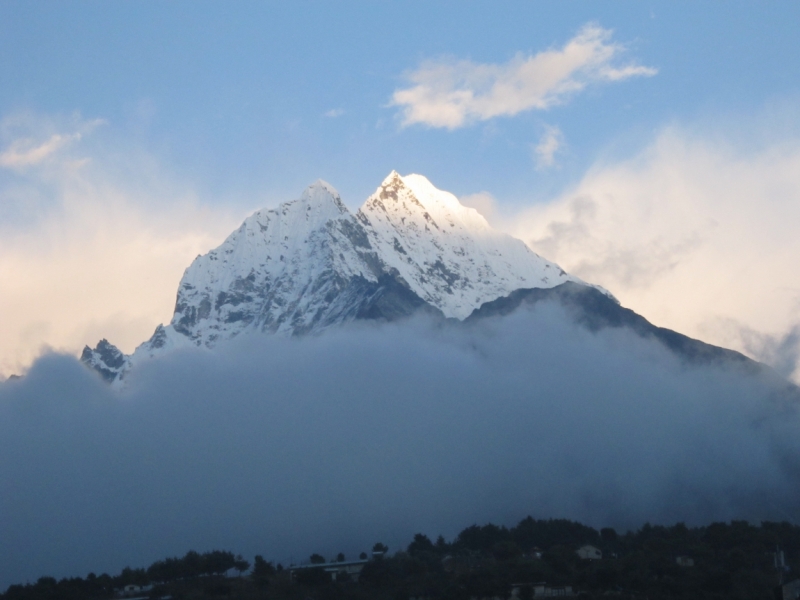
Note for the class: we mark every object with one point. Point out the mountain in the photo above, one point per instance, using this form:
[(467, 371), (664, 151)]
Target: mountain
[(447, 253), (310, 264), (595, 310)]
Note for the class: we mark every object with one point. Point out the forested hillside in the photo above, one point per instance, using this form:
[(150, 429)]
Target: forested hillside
[(718, 561)]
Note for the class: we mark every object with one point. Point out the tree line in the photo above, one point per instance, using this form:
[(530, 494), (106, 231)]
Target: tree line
[(729, 561)]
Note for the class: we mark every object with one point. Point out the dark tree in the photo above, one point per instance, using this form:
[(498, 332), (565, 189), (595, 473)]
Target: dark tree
[(420, 545), (312, 576), (262, 571), (608, 534), (316, 559), (191, 564), (217, 562), (240, 564), (262, 567)]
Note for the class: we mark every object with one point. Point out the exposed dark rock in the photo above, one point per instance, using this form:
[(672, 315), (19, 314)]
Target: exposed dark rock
[(392, 300), (595, 311), (105, 358)]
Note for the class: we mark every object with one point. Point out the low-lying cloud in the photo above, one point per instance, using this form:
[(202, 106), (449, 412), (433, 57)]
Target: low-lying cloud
[(454, 93), (373, 433)]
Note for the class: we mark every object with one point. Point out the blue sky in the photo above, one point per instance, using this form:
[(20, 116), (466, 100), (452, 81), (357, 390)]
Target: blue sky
[(232, 96), (134, 135)]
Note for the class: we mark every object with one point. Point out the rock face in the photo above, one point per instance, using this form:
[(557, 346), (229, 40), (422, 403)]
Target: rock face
[(310, 264), (106, 359), (447, 253), (589, 307), (292, 269), (594, 310)]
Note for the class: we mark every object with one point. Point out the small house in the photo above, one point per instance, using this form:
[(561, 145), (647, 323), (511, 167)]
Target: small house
[(132, 590), (541, 590), (589, 552), (349, 570)]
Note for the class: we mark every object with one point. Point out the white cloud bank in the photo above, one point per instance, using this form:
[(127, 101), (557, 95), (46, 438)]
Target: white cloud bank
[(452, 94), (85, 254), (695, 234)]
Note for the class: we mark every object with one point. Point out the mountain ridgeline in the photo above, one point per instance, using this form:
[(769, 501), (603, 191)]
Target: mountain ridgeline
[(310, 264)]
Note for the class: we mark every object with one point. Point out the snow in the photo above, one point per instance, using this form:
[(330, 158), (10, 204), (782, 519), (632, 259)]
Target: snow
[(263, 273), (448, 253), (289, 270)]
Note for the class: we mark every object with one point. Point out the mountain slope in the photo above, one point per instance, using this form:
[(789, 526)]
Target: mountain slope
[(292, 270), (448, 253), (284, 270), (595, 310), (310, 264)]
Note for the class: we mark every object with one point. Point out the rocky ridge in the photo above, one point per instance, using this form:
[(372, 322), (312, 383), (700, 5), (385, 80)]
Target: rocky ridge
[(310, 264)]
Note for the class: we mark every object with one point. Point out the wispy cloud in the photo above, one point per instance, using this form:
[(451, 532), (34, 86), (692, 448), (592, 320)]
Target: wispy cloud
[(334, 112), (483, 202), (29, 151), (26, 152), (94, 251), (454, 93), (551, 142), (693, 232)]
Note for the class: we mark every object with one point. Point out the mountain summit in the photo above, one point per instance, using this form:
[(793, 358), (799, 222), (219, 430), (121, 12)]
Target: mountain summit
[(447, 253), (309, 264)]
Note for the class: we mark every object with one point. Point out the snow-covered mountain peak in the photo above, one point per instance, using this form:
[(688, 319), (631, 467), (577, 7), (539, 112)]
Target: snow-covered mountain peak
[(277, 272), (321, 193), (446, 252), (308, 264), (415, 191), (318, 203), (444, 205)]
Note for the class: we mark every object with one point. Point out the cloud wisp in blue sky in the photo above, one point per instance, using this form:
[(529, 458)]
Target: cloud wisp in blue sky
[(550, 144), (454, 93)]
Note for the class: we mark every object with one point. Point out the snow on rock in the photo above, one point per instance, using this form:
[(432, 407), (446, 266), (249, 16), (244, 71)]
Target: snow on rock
[(282, 271), (106, 359), (278, 272), (448, 253), (309, 264)]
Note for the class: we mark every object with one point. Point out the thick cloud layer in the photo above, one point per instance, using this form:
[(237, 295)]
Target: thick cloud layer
[(287, 447)]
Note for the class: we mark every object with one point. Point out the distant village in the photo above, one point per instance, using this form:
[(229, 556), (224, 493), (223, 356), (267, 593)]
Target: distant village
[(535, 559)]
